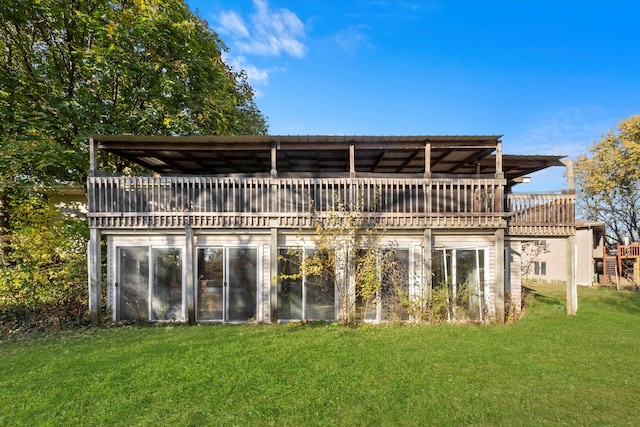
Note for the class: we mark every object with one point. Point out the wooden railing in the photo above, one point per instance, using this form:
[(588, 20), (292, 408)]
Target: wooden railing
[(629, 251), (165, 202), (541, 214)]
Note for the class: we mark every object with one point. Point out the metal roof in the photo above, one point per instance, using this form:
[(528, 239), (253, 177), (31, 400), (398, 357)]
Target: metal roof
[(319, 154)]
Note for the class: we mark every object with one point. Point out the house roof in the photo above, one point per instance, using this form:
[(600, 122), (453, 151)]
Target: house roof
[(251, 154)]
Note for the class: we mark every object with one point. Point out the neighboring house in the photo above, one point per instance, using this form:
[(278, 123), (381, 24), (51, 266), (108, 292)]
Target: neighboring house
[(546, 258), (70, 199), (208, 234)]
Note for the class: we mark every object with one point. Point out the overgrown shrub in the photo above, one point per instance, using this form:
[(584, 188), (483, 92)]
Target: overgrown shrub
[(43, 282)]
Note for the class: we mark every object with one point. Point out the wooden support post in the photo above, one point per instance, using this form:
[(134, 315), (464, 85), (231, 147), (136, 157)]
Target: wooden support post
[(352, 161), (273, 275), (572, 290), (499, 171), (499, 283), (92, 157), (427, 267), (427, 160), (570, 177), (274, 160), (190, 277), (94, 259)]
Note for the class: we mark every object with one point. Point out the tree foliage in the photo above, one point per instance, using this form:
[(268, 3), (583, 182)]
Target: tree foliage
[(348, 253), (71, 68), (609, 181), (44, 268)]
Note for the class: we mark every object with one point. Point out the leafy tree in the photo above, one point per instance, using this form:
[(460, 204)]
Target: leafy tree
[(45, 270), (609, 181), (71, 68), (349, 253)]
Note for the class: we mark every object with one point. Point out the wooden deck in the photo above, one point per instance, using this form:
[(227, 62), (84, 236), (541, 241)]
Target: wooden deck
[(541, 214), (213, 202)]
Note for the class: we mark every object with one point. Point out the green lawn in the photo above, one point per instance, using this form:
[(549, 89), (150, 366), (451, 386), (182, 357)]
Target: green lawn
[(547, 369)]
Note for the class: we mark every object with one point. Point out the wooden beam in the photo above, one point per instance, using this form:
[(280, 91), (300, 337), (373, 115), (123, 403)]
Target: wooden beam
[(499, 269), (427, 247), (572, 290), (499, 171), (92, 158), (274, 160), (427, 160), (94, 259), (273, 277), (570, 178), (352, 161), (190, 277)]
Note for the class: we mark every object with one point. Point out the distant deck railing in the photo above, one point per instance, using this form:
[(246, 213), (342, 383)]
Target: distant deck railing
[(212, 202), (541, 214), (629, 251)]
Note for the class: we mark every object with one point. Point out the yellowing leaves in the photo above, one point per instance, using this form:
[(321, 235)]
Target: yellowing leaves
[(140, 4), (111, 27)]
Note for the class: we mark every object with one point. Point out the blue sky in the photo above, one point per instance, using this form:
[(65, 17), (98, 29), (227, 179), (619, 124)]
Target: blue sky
[(551, 76)]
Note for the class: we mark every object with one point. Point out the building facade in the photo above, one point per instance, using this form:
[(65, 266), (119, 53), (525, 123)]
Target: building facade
[(219, 229)]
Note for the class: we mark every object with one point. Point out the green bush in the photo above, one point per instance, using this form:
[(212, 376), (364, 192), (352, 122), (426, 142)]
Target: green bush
[(43, 282)]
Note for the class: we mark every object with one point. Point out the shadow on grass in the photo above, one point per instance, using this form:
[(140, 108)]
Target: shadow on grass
[(544, 299)]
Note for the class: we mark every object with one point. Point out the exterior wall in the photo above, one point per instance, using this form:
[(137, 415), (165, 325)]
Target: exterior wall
[(411, 241), (553, 262)]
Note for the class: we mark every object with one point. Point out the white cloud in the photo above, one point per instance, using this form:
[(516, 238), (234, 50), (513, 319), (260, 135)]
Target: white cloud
[(232, 24), (272, 32), (256, 76), (353, 38)]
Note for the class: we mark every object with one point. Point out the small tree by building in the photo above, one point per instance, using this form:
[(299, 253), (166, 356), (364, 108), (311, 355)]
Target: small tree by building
[(532, 250), (348, 253)]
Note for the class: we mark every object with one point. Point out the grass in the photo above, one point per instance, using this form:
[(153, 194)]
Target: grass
[(547, 369)]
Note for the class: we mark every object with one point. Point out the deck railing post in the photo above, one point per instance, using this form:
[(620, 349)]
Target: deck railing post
[(94, 258)]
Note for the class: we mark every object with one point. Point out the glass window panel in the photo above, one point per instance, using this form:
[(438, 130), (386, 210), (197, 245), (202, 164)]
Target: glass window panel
[(394, 289), (210, 284), (133, 297), (290, 292), (366, 304), (166, 303), (242, 282), (320, 295), (466, 268), (320, 298), (442, 268), (467, 281)]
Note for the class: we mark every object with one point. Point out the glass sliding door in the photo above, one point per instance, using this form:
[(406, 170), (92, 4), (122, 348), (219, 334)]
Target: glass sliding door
[(227, 283), (303, 296), (460, 273), (210, 284), (320, 298), (242, 280), (150, 285), (394, 286), (132, 288), (166, 302), (290, 290)]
